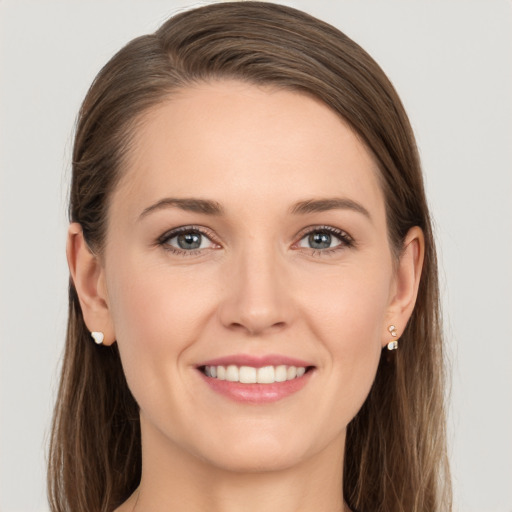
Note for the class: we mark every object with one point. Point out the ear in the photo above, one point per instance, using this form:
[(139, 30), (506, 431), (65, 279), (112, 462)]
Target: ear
[(406, 283), (88, 276)]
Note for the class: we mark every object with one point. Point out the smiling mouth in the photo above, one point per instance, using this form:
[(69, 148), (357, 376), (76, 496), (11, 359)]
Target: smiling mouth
[(253, 375)]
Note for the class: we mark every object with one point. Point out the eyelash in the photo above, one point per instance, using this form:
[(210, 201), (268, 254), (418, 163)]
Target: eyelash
[(346, 240), (169, 235)]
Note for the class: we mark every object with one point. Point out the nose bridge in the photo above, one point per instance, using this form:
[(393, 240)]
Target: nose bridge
[(257, 293)]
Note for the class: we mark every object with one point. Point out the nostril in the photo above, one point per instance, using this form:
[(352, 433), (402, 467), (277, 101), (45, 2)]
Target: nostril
[(254, 329)]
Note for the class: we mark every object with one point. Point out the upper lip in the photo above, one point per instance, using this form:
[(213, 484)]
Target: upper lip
[(255, 361)]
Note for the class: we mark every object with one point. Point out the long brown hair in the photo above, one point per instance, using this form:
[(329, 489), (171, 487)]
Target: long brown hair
[(395, 458)]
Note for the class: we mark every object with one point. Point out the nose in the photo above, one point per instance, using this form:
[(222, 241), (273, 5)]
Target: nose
[(257, 297)]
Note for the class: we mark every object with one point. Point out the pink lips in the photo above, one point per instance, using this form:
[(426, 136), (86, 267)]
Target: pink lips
[(255, 361), (256, 393)]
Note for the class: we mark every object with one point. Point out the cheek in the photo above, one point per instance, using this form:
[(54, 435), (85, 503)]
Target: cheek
[(155, 318), (152, 305), (351, 306), (349, 318)]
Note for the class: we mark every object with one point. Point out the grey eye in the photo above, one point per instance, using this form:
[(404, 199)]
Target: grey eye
[(189, 241), (320, 240)]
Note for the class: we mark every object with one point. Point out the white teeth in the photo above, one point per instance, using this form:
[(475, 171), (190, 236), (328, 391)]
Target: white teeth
[(280, 373), (252, 375), (291, 373), (247, 374), (266, 375), (221, 372), (232, 373)]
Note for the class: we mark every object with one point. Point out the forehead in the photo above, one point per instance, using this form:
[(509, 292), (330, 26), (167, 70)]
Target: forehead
[(246, 145)]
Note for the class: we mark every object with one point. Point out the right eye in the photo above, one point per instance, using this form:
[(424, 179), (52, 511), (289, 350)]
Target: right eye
[(186, 241)]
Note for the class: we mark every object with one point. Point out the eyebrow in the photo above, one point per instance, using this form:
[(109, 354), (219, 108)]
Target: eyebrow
[(209, 207), (323, 205), (205, 206)]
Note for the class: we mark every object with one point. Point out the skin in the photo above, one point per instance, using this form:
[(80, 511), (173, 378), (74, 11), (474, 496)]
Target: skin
[(255, 287)]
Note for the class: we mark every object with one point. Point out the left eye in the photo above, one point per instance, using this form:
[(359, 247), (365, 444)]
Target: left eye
[(189, 240), (321, 239)]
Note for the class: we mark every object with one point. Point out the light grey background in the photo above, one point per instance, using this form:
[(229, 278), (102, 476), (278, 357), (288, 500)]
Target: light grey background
[(451, 62)]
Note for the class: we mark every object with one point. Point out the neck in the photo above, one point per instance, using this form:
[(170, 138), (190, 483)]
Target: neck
[(174, 479)]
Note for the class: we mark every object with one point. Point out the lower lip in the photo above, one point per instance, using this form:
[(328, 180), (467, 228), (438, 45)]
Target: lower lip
[(257, 393)]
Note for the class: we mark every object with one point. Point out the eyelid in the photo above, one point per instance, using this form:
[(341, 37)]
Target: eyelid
[(174, 232), (343, 235), (345, 239), (185, 229)]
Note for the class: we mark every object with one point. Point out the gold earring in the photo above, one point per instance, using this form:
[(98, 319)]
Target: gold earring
[(98, 337), (393, 345)]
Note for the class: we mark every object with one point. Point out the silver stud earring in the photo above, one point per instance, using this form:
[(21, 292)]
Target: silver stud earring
[(98, 337), (393, 345)]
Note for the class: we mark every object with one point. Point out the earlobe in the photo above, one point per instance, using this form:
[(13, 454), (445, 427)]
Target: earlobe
[(88, 278), (407, 281)]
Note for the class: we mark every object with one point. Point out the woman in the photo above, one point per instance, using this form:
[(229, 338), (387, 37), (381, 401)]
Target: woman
[(250, 249)]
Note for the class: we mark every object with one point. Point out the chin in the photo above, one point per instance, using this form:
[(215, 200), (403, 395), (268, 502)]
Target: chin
[(265, 449), (257, 457)]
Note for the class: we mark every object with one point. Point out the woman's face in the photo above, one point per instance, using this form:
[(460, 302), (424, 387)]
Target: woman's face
[(248, 230)]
